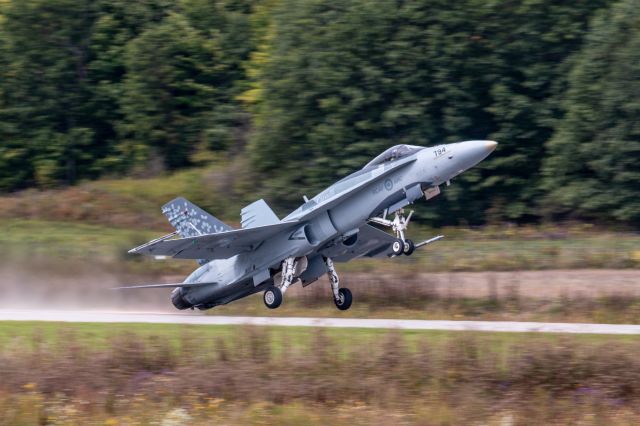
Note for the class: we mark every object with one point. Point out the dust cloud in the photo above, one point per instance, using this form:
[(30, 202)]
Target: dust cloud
[(62, 284)]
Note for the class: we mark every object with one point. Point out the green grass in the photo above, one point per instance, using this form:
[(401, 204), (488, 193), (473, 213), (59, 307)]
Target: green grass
[(462, 251), (521, 249), (71, 238), (70, 242), (99, 335)]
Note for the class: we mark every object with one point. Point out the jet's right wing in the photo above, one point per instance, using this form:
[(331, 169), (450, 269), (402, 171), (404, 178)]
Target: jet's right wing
[(213, 246)]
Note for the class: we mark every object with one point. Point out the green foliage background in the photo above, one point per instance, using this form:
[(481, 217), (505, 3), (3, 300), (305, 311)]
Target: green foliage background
[(309, 90)]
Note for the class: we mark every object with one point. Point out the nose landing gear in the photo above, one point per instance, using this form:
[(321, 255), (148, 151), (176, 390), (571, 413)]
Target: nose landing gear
[(399, 224)]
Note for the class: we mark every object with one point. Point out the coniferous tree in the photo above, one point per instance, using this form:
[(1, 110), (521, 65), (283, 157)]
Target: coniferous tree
[(343, 81), (592, 170)]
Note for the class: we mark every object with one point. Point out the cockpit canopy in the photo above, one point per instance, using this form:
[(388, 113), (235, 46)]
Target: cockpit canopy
[(394, 153)]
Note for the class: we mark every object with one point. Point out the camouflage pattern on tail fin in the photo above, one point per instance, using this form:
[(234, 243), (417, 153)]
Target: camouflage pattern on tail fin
[(190, 220)]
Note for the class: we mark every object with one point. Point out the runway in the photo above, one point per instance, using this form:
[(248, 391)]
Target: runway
[(200, 319)]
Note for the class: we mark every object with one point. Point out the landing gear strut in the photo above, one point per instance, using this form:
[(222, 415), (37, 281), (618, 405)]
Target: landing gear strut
[(399, 224), (273, 295), (289, 266), (341, 296)]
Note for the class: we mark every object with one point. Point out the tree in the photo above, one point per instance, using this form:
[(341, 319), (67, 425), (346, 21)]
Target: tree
[(592, 169), (80, 89), (44, 93), (343, 81), (180, 85)]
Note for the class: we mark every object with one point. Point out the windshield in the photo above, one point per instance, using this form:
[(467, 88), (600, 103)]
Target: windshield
[(392, 154)]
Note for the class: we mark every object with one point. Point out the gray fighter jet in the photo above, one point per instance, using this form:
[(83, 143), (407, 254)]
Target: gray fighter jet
[(269, 254)]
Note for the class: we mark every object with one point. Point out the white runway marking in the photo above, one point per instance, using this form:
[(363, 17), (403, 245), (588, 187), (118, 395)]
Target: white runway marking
[(199, 319)]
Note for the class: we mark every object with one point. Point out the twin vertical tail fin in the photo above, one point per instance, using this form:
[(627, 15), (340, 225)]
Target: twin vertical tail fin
[(190, 220), (258, 214)]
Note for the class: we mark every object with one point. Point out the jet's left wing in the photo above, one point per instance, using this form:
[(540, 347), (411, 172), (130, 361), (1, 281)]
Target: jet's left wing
[(213, 246), (371, 242)]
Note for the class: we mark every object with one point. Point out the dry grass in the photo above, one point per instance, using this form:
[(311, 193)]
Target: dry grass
[(601, 296), (251, 379), (129, 202)]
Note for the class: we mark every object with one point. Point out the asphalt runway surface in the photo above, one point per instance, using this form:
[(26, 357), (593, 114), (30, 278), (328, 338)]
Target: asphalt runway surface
[(200, 319)]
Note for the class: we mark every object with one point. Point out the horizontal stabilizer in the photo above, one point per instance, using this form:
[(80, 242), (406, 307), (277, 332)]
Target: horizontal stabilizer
[(162, 286), (256, 214)]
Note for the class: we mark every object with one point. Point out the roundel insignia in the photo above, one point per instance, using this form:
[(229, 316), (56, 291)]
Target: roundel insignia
[(388, 185)]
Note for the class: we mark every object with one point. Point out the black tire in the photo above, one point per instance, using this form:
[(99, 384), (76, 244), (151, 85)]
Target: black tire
[(345, 299), (409, 247), (272, 297), (397, 247)]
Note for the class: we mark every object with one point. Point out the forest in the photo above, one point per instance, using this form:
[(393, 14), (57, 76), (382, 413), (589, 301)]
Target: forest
[(299, 93)]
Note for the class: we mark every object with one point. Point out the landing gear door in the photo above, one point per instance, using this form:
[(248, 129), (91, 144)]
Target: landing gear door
[(431, 192)]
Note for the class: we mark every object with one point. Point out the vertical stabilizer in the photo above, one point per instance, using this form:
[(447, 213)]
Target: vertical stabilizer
[(190, 220), (257, 214)]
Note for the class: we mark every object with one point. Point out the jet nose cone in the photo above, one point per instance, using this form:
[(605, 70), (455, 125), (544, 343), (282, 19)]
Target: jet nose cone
[(470, 153)]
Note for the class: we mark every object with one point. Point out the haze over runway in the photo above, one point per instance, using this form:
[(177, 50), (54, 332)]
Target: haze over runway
[(201, 319)]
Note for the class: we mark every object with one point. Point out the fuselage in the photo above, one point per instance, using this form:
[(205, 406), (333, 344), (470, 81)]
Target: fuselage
[(396, 178)]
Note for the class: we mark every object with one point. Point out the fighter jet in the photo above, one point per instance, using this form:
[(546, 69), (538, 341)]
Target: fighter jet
[(268, 254)]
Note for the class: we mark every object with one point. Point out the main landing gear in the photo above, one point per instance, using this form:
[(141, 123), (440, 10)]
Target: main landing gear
[(273, 295), (399, 224), (341, 296)]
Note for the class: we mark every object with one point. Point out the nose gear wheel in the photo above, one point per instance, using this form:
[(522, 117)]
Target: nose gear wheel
[(408, 247)]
